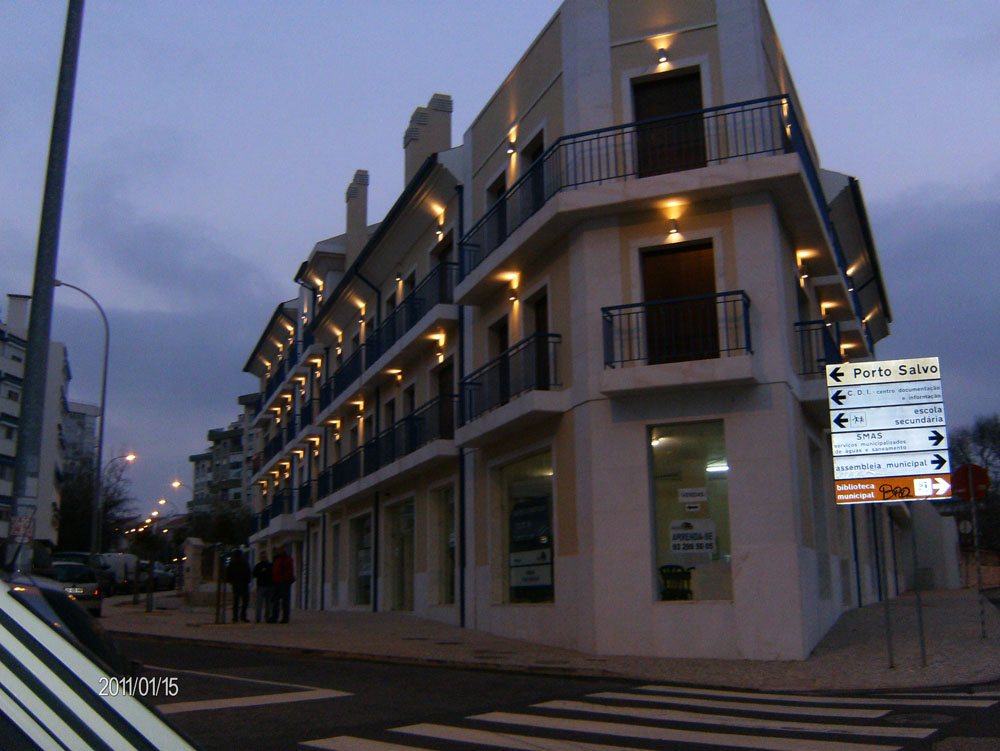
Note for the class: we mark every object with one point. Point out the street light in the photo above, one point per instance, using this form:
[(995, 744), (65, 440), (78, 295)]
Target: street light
[(95, 526)]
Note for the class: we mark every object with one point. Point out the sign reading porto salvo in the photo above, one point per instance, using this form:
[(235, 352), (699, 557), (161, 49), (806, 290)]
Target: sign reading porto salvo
[(888, 431)]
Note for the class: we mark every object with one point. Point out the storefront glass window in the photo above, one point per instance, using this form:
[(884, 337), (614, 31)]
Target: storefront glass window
[(527, 514), (691, 536)]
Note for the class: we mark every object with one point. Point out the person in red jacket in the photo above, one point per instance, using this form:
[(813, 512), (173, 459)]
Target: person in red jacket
[(282, 574)]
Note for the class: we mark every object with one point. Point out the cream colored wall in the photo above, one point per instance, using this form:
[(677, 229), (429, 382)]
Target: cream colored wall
[(530, 96), (632, 19)]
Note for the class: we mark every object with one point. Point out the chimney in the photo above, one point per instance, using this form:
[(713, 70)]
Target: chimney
[(18, 307), (356, 234), (429, 133)]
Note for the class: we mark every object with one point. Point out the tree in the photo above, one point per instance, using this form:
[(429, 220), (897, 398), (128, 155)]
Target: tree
[(77, 502), (228, 523), (980, 445)]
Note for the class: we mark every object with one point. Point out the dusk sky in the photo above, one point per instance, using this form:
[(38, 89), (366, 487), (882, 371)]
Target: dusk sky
[(212, 143)]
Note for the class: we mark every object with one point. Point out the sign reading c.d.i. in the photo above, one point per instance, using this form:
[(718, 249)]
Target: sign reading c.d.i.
[(888, 428)]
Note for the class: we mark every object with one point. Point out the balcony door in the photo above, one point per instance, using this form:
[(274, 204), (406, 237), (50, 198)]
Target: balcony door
[(677, 143), (681, 314)]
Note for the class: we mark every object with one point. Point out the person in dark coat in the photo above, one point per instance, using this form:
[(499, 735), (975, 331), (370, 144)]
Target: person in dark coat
[(238, 575), (282, 574), (265, 587)]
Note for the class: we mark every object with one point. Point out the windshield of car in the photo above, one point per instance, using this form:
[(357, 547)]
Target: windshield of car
[(73, 573)]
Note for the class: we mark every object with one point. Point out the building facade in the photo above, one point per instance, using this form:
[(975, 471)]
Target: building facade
[(44, 491), (570, 388), (221, 473)]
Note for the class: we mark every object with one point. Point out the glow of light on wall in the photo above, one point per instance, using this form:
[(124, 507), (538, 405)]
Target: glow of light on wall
[(717, 467)]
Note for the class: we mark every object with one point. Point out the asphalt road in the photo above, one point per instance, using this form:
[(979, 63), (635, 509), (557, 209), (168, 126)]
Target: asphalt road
[(252, 700)]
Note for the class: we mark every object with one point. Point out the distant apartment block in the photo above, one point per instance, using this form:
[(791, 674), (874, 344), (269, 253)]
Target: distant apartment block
[(570, 388), (221, 472), (44, 492)]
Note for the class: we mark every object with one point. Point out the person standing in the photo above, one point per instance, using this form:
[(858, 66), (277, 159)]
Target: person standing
[(238, 575), (282, 574), (265, 587)]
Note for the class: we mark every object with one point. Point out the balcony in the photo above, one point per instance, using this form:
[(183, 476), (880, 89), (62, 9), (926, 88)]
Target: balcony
[(434, 289), (819, 346), (518, 387), (652, 147), (687, 341), (407, 444), (281, 503)]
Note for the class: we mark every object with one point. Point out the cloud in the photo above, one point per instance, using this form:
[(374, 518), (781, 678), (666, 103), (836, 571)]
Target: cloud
[(937, 248)]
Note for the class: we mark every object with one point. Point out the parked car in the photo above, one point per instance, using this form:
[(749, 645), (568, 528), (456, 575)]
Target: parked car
[(105, 572), (80, 581), (66, 684), (124, 567), (162, 579)]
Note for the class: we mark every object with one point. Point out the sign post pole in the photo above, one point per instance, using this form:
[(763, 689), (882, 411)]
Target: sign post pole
[(890, 445), (916, 591), (975, 542)]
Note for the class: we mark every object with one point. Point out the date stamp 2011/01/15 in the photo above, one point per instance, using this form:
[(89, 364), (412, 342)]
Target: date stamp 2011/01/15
[(144, 685)]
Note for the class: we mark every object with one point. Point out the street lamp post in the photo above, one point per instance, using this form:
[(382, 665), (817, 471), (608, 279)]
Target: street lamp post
[(95, 526)]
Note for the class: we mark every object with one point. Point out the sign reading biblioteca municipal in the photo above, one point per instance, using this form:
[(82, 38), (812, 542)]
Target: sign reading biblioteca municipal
[(888, 431)]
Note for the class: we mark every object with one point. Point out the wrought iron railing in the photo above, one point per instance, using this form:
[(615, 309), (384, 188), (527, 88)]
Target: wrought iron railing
[(260, 520), (306, 410), (281, 503), (819, 346), (688, 328), (303, 496), (685, 141), (527, 366), (437, 287), (431, 421), (347, 373)]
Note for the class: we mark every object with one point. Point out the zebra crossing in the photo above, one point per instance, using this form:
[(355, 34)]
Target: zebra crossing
[(659, 716)]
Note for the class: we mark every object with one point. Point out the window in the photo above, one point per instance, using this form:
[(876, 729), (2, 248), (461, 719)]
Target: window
[(13, 395), (691, 538), (361, 549), (444, 509), (527, 523), (9, 433)]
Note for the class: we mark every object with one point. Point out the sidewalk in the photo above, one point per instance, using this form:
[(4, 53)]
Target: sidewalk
[(853, 655)]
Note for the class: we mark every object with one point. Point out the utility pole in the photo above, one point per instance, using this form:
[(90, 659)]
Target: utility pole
[(29, 439)]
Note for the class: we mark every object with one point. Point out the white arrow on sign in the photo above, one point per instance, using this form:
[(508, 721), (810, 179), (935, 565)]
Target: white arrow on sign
[(890, 465), (884, 394), (859, 442), (885, 418)]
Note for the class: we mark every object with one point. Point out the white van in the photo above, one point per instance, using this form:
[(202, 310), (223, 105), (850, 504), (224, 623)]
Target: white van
[(124, 566)]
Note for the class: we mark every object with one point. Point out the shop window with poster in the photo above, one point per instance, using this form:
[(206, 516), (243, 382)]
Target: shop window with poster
[(691, 535), (527, 514)]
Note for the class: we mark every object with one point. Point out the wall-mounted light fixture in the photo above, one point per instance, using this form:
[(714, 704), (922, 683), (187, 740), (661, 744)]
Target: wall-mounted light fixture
[(510, 146), (661, 54), (439, 233), (399, 277), (512, 293), (672, 228)]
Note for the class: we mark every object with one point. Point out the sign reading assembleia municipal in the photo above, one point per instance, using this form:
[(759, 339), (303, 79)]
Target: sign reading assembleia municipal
[(888, 431)]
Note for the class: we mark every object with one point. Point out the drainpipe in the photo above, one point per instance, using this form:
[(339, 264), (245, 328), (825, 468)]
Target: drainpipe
[(375, 542), (461, 419)]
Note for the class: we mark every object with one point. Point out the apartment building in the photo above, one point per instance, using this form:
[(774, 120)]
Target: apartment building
[(221, 473), (44, 491), (570, 388)]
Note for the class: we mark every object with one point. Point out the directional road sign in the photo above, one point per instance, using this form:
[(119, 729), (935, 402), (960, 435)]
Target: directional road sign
[(888, 431)]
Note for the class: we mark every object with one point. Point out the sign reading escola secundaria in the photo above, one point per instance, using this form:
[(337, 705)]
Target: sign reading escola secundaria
[(888, 431)]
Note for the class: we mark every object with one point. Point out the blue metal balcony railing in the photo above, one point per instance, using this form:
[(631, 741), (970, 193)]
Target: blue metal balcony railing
[(435, 288), (289, 359), (528, 365), (272, 447), (688, 328), (680, 142), (819, 346)]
